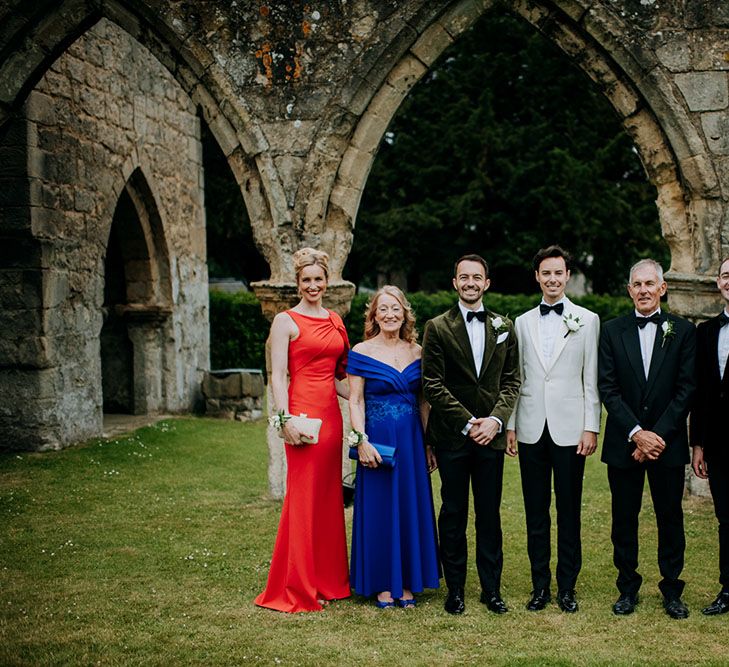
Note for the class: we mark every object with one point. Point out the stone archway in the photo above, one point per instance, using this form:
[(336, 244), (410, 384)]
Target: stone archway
[(137, 304), (675, 157)]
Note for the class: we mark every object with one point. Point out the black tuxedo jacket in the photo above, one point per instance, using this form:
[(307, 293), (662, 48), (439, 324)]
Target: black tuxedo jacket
[(660, 403), (711, 405), (450, 383)]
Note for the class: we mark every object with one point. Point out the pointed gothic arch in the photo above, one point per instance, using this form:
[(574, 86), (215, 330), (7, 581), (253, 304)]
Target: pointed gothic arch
[(137, 303)]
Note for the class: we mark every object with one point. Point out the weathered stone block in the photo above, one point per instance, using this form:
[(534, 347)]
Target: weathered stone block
[(675, 52), (716, 129), (704, 91)]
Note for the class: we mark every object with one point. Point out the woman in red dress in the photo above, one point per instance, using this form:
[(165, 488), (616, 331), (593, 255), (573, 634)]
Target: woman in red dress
[(309, 342)]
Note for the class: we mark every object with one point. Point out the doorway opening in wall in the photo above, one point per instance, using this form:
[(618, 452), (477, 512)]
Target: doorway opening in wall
[(137, 330), (117, 352)]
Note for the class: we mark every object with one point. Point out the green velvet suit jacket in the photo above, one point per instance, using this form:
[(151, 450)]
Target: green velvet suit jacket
[(450, 383)]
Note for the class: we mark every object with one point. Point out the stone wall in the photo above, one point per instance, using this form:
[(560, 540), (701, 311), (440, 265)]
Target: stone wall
[(107, 118)]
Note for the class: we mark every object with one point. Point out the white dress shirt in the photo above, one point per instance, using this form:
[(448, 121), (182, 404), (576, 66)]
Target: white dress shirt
[(476, 331), (476, 335), (723, 347), (647, 337), (550, 326)]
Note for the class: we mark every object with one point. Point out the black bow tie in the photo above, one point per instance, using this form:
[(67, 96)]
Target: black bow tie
[(557, 308), (480, 315), (642, 321), (723, 319)]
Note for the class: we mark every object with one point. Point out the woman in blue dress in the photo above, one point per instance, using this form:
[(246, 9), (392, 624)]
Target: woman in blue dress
[(394, 549)]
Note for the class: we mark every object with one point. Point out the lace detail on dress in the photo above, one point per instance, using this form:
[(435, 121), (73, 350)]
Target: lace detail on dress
[(381, 410)]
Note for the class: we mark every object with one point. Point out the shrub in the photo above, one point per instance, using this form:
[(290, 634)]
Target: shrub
[(238, 331)]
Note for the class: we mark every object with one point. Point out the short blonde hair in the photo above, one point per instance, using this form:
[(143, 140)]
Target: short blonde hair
[(407, 330), (309, 257)]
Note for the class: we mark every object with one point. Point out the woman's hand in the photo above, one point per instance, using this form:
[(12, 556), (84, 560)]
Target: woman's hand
[(291, 434), (368, 455)]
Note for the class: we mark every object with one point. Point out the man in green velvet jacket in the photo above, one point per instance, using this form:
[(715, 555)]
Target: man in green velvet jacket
[(471, 380)]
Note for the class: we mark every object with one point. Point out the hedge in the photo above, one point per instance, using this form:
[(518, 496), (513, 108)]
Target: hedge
[(238, 330)]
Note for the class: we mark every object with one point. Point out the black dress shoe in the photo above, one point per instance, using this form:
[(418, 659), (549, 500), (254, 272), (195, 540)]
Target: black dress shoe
[(455, 603), (718, 606), (492, 599), (625, 604), (675, 608), (567, 601), (539, 600)]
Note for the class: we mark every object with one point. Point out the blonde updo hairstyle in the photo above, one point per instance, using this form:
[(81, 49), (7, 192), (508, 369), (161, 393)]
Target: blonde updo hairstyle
[(309, 257), (407, 330)]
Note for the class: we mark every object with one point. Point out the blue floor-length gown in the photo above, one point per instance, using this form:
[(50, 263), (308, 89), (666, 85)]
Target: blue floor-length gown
[(393, 533)]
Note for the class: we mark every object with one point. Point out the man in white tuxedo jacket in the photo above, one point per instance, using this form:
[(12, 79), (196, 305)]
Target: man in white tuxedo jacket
[(556, 422)]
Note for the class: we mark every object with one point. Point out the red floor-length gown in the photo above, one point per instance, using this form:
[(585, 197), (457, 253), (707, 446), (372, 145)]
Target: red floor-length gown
[(309, 561)]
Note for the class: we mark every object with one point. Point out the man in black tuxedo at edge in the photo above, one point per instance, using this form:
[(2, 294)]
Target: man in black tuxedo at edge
[(646, 377), (709, 424)]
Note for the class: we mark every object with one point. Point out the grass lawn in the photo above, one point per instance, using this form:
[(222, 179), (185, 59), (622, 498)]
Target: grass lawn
[(149, 549)]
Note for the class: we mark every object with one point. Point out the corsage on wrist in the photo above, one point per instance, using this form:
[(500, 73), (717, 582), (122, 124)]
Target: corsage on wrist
[(279, 419), (356, 438)]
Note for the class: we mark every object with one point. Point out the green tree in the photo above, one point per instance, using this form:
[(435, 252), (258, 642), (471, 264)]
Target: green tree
[(502, 148)]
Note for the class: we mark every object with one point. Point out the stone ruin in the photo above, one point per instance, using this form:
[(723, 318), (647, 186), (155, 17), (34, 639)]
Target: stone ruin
[(103, 278)]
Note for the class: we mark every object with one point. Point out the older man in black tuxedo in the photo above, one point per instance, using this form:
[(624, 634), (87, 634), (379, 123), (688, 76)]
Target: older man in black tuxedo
[(709, 426), (646, 377)]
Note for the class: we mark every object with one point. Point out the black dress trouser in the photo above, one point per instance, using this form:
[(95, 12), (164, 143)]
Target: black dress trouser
[(537, 463), (481, 468), (626, 488), (719, 483)]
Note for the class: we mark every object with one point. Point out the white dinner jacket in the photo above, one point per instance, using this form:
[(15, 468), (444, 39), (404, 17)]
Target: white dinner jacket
[(564, 391)]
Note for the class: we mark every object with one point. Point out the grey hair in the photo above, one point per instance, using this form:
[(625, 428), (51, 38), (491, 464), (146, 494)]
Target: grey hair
[(646, 262)]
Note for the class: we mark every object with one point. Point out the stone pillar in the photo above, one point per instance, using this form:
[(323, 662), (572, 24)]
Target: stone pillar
[(145, 324), (274, 298)]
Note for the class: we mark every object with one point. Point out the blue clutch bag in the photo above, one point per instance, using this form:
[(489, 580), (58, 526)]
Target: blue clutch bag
[(386, 452)]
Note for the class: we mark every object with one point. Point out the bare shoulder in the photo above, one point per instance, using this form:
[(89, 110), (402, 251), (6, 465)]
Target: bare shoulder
[(416, 350), (283, 323), (361, 347)]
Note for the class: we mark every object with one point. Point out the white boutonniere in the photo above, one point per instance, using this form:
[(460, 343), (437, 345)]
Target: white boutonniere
[(668, 332), (498, 324), (572, 323)]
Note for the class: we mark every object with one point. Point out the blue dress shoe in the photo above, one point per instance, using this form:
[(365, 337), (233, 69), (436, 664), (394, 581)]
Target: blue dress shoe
[(539, 600), (455, 603), (718, 606), (675, 607), (625, 604)]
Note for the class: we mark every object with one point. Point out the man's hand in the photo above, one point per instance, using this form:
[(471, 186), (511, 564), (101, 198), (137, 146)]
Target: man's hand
[(649, 443), (511, 446), (639, 456), (484, 430), (430, 459), (698, 463), (587, 444)]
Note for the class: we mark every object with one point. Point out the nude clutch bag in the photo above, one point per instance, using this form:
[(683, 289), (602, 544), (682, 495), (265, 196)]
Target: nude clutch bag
[(308, 426)]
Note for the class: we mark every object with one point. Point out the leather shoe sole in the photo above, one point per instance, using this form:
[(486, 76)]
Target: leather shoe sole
[(567, 602), (539, 600), (455, 603), (718, 606), (675, 608), (494, 602), (625, 605)]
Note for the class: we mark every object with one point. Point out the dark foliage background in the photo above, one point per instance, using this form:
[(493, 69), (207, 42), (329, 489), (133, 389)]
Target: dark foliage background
[(502, 148), (238, 330)]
